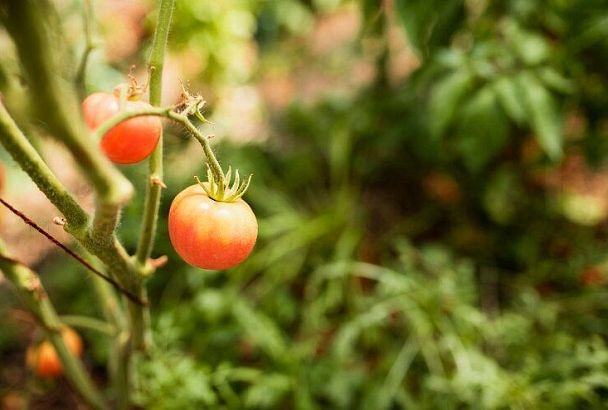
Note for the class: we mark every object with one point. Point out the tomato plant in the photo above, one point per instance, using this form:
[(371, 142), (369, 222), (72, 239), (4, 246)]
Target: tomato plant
[(43, 359), (208, 233), (130, 141)]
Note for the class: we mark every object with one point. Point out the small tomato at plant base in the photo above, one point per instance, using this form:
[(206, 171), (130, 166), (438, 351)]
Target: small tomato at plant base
[(130, 141), (209, 234), (43, 358)]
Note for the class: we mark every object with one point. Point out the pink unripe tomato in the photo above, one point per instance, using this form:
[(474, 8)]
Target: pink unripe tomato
[(209, 234)]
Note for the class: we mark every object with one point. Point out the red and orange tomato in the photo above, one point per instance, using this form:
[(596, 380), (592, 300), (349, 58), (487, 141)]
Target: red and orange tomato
[(43, 359), (130, 141), (210, 234)]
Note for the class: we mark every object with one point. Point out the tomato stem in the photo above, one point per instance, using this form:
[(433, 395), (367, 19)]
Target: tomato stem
[(220, 180), (155, 164), (88, 23)]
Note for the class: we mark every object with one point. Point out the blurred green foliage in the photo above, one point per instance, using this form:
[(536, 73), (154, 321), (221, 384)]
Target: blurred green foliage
[(413, 251)]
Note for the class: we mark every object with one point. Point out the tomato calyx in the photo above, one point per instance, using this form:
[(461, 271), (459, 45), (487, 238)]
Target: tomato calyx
[(220, 189)]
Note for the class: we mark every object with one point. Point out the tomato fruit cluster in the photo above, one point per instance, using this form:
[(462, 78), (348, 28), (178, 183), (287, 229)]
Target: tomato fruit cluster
[(43, 359), (211, 234), (130, 141)]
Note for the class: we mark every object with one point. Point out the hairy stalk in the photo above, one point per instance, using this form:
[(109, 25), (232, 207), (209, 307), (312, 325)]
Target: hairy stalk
[(89, 46), (214, 164), (90, 323), (155, 170), (30, 161), (110, 252), (119, 365), (28, 287), (73, 254), (110, 306), (34, 27), (140, 316), (118, 360), (182, 119)]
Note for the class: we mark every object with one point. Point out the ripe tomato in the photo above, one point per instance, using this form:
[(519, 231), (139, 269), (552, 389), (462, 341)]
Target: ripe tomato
[(209, 234), (130, 141), (43, 358)]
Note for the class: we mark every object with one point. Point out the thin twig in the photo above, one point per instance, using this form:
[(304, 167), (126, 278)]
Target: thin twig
[(67, 250)]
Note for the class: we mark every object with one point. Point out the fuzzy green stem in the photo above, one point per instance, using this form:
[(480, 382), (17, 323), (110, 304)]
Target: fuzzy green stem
[(118, 360), (214, 164), (90, 323), (89, 46), (182, 119), (110, 307), (110, 123), (121, 116), (155, 170), (120, 366), (18, 146), (110, 251), (35, 29), (28, 287)]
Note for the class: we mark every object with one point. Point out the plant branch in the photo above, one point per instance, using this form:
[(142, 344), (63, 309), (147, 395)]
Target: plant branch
[(155, 165), (31, 162), (167, 112), (118, 363), (214, 164), (110, 123), (89, 46), (28, 287), (74, 255), (89, 323), (110, 252), (34, 27)]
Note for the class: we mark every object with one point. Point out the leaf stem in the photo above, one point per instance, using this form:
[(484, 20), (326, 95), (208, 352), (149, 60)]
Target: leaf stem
[(89, 323)]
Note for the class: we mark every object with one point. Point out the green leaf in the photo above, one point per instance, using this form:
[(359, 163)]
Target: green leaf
[(482, 130), (262, 331), (500, 196), (446, 98), (267, 391), (554, 79), (531, 48), (430, 24), (544, 117), (511, 98)]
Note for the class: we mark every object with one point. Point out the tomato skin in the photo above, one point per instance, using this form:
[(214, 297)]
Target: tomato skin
[(43, 358), (209, 234), (130, 141)]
